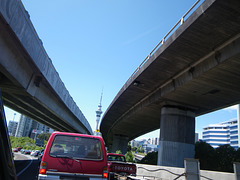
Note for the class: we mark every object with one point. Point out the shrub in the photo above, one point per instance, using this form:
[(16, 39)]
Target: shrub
[(150, 158), (129, 156)]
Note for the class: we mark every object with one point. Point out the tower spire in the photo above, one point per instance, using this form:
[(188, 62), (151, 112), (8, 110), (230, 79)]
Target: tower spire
[(101, 97), (98, 114)]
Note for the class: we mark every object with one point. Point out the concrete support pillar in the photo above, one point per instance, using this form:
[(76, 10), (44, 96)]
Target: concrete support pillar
[(192, 169), (177, 136), (120, 143), (236, 166)]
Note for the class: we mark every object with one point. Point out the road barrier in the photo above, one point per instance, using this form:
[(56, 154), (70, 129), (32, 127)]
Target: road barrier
[(190, 172)]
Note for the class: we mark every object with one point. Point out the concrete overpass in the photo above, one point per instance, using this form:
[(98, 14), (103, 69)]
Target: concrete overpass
[(194, 70), (28, 80)]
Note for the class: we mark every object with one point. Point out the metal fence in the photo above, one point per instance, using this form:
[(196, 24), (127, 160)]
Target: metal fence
[(180, 22)]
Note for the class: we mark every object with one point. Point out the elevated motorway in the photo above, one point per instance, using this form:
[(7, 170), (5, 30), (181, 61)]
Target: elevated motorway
[(28, 80), (193, 71)]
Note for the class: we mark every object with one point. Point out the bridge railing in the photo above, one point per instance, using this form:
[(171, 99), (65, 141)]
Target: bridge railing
[(180, 22)]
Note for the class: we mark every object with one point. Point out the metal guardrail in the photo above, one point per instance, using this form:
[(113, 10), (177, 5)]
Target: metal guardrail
[(180, 22)]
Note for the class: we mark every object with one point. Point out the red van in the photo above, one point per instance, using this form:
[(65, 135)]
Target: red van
[(74, 156)]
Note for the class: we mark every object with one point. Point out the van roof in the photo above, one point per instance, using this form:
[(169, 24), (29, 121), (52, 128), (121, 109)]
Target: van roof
[(76, 134), (114, 154)]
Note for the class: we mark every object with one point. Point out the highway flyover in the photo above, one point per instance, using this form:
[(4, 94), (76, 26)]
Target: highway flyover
[(194, 71)]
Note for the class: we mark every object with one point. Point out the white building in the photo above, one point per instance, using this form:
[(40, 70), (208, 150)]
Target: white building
[(134, 143), (222, 133), (154, 141)]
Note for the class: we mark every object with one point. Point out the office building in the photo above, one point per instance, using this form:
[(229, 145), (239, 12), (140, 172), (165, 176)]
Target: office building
[(24, 127), (222, 133), (30, 128), (12, 127), (154, 141), (43, 128)]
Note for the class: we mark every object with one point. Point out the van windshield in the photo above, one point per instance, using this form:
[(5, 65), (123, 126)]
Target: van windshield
[(115, 158), (76, 147)]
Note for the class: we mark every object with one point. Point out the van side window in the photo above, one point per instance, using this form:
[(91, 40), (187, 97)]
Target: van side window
[(76, 147)]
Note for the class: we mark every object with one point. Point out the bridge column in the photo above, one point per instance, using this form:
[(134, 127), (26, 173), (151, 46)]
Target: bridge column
[(120, 143), (177, 136)]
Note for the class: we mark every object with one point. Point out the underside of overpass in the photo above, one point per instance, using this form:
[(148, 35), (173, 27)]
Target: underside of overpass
[(29, 82), (196, 68)]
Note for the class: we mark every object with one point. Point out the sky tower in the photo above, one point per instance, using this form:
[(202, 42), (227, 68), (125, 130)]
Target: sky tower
[(98, 114)]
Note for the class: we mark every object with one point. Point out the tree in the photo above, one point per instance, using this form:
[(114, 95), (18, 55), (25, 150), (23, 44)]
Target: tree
[(24, 142), (118, 152), (140, 149), (134, 148), (225, 157), (44, 136), (150, 158), (206, 155), (237, 155), (219, 159), (129, 156), (129, 147)]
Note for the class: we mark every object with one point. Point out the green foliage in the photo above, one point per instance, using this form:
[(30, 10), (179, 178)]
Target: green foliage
[(129, 147), (150, 158), (38, 148), (225, 158), (206, 155), (129, 156), (140, 149), (134, 148), (44, 136), (24, 142), (118, 152), (237, 155), (219, 159)]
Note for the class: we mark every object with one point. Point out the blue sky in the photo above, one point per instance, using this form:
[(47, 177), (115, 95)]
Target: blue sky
[(97, 45)]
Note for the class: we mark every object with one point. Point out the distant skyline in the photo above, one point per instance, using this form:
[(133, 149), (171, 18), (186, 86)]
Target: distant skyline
[(97, 45), (201, 121)]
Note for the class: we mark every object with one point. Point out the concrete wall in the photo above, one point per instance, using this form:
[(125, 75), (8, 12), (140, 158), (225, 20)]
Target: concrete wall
[(165, 173)]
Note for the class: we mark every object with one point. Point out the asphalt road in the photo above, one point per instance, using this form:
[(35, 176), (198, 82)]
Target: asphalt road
[(27, 166)]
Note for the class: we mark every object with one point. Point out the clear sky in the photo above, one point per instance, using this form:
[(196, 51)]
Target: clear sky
[(97, 45)]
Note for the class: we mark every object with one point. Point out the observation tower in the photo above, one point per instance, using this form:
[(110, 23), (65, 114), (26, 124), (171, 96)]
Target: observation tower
[(98, 115)]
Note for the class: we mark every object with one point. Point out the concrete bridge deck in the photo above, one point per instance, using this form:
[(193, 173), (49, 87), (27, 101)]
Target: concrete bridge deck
[(197, 68), (193, 72), (29, 82)]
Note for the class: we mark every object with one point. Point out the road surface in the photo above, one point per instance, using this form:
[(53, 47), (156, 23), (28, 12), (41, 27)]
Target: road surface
[(26, 166)]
